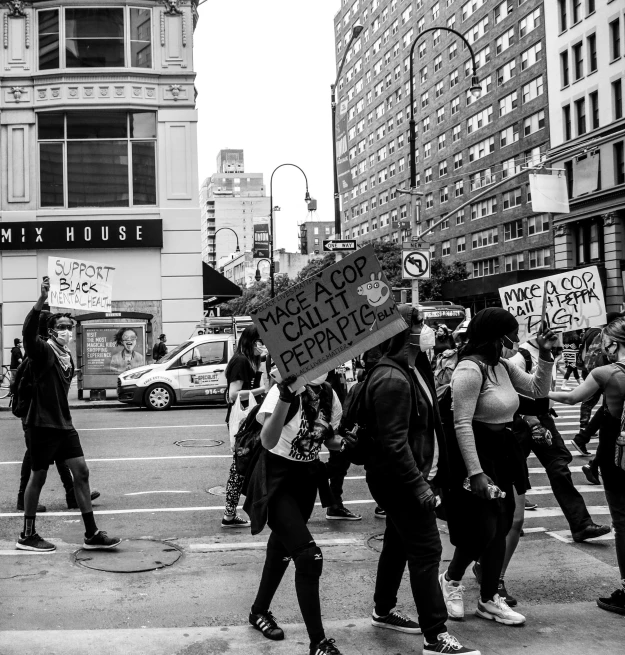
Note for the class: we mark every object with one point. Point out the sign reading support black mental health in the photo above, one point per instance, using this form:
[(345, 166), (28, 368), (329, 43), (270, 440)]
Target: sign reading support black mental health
[(329, 318), (70, 235)]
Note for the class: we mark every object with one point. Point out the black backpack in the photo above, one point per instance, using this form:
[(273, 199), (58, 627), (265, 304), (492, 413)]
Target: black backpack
[(22, 389)]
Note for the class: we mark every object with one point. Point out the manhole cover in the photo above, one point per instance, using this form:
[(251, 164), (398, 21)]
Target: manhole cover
[(217, 491), (198, 443), (375, 542), (131, 556)]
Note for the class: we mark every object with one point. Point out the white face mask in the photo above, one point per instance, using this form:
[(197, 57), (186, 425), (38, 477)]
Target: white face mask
[(427, 338), (63, 337), (261, 350), (320, 380)]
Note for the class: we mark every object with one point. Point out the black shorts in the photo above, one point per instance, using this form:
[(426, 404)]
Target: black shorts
[(47, 445)]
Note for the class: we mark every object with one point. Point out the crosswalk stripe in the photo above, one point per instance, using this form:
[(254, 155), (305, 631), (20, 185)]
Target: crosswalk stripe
[(546, 512)]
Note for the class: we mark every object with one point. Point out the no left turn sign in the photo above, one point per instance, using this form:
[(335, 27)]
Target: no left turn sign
[(416, 264)]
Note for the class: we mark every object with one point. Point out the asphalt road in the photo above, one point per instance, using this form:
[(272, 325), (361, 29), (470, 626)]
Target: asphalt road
[(154, 471)]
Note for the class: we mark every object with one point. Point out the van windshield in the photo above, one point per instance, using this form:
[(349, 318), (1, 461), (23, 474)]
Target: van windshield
[(175, 352)]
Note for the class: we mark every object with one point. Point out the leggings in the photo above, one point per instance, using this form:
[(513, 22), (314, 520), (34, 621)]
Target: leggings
[(233, 490), (571, 370), (288, 513)]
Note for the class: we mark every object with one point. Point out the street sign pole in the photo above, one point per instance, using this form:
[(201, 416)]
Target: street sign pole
[(414, 219)]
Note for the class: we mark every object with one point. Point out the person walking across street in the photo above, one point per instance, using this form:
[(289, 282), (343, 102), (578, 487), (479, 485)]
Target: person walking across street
[(243, 376), (281, 493), (50, 433), (571, 355), (610, 381), (407, 460), (160, 349), (486, 457)]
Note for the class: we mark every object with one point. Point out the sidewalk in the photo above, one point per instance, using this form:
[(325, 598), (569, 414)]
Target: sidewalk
[(75, 403)]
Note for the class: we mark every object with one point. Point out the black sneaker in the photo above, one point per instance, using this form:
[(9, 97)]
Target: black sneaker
[(477, 572), (236, 522), (325, 647), (396, 621), (34, 543), (591, 531), (578, 444), (341, 514), (101, 541), (379, 513), (615, 603), (20, 505), (265, 622), (447, 643), (590, 475), (503, 593)]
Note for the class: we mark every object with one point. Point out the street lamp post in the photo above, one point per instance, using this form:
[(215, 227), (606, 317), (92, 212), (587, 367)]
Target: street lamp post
[(356, 30), (312, 204), (475, 89), (257, 274), (233, 232)]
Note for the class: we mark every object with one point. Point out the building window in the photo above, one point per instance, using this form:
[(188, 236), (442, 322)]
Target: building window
[(506, 72), (594, 109), (504, 41), (458, 188), (100, 37), (457, 161), (428, 175), (580, 116), (615, 39), (589, 236), (619, 163), (486, 267), (534, 123), (513, 230), (566, 121), (537, 224), (617, 99), (461, 244), (512, 198), (578, 61), (508, 103), (483, 208), (446, 248), (455, 134), (482, 149), (509, 136), (564, 68), (460, 217), (443, 195), (533, 89), (592, 53), (514, 262), (562, 11), (530, 56), (540, 258), (529, 23), (442, 168)]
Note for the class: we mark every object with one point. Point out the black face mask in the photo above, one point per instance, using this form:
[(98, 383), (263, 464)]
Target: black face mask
[(507, 342)]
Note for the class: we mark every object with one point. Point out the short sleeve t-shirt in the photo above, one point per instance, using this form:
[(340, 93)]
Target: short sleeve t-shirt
[(611, 380), (297, 441), (241, 369)]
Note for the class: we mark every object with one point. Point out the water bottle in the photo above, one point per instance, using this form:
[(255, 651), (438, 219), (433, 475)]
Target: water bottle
[(493, 490)]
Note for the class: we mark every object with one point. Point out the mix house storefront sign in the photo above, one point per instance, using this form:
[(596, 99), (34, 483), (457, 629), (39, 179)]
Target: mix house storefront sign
[(67, 235)]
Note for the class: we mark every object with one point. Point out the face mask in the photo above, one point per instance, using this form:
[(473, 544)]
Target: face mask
[(611, 351), (508, 344), (320, 380), (261, 350), (64, 337)]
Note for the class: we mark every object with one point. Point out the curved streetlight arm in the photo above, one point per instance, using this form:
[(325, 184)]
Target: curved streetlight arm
[(233, 232)]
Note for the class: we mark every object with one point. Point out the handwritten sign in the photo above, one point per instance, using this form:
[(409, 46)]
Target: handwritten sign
[(77, 284), (329, 318), (574, 301)]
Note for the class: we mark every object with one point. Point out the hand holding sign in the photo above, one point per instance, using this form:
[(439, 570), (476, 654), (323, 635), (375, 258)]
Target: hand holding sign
[(45, 288)]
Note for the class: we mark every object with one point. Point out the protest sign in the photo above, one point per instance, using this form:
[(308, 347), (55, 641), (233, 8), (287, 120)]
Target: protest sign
[(574, 301), (329, 318), (569, 354), (77, 284)]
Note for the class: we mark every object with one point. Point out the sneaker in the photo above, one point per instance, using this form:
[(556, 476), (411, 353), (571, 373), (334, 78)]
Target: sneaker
[(325, 647), (503, 592), (530, 506), (396, 621), (34, 543), (379, 513), (590, 474), (20, 505), (101, 541), (564, 387), (578, 444), (447, 643), (236, 522), (72, 503), (341, 514), (615, 603), (477, 572), (498, 610), (591, 531), (266, 623), (453, 594)]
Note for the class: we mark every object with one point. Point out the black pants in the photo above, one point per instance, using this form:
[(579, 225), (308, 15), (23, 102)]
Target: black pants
[(337, 467), (587, 406), (571, 370), (556, 459), (289, 510), (412, 538), (61, 467), (592, 427)]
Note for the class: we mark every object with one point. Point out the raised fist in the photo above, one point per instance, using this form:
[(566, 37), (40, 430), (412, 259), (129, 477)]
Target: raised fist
[(45, 287)]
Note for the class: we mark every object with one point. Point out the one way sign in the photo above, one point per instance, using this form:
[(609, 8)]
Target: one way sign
[(330, 245)]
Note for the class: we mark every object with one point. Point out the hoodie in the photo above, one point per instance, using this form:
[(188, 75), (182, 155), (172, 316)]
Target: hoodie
[(402, 421)]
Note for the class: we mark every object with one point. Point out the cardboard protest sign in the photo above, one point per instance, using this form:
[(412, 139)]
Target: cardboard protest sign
[(329, 318), (77, 284), (574, 301)]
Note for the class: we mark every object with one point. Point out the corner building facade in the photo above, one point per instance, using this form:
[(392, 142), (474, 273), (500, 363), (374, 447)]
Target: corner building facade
[(98, 144), (464, 144)]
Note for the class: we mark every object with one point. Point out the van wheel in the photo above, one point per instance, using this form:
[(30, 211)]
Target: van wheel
[(159, 397)]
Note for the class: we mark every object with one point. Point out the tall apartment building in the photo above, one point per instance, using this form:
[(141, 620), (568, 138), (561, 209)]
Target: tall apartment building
[(234, 199), (464, 144), (99, 160), (586, 72), (312, 235)]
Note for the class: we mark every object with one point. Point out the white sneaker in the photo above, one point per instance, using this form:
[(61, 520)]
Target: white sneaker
[(498, 610), (453, 593), (564, 387)]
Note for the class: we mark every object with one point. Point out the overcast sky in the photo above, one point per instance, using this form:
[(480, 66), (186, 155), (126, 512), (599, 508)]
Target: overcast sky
[(264, 71)]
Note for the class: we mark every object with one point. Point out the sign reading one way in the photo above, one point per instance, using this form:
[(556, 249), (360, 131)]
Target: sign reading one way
[(330, 245), (415, 263)]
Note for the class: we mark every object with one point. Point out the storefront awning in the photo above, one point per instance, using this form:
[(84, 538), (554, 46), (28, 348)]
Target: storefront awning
[(217, 288)]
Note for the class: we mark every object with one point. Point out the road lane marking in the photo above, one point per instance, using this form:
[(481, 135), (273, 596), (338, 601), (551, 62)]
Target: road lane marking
[(143, 493), (566, 537), (582, 488), (155, 427), (261, 545)]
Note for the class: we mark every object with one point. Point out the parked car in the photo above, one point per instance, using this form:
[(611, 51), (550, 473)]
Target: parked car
[(193, 372)]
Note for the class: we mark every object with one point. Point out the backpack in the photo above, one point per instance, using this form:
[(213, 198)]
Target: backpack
[(592, 354), (22, 389), (619, 446), (445, 365), (529, 364)]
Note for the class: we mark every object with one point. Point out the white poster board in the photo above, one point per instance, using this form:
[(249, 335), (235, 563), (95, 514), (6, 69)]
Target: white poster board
[(574, 302), (78, 284)]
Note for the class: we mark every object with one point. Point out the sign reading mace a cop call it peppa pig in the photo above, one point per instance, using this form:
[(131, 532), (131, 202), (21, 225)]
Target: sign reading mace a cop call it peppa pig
[(77, 284), (329, 318)]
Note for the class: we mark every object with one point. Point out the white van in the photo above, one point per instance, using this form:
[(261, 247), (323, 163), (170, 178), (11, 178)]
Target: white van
[(193, 372)]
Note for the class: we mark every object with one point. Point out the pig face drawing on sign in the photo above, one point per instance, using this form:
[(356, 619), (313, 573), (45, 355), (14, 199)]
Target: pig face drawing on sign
[(376, 291)]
